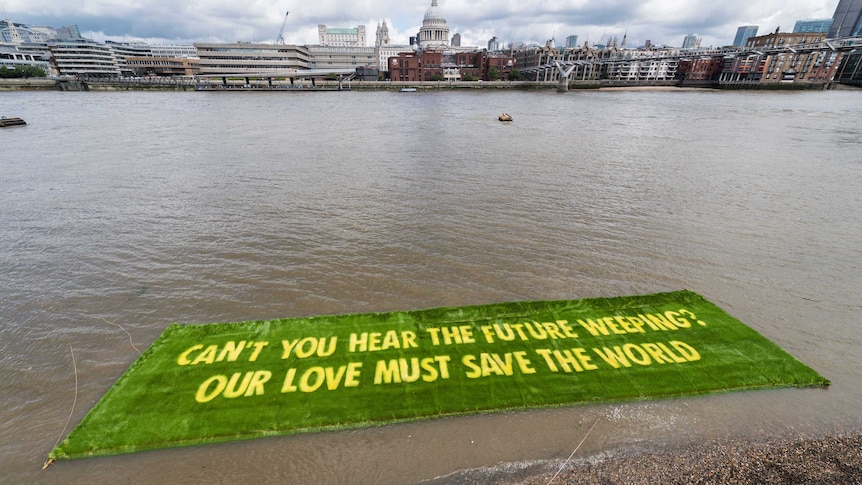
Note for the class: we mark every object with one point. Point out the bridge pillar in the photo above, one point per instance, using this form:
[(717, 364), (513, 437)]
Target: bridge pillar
[(563, 85)]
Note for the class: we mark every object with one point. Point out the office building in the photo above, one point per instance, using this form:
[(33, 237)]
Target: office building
[(691, 41), (11, 58), (571, 41), (251, 59), (331, 57), (18, 34), (812, 25), (743, 34), (83, 57), (163, 66), (847, 20), (176, 51), (330, 37)]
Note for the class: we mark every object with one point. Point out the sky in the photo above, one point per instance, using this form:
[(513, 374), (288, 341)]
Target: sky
[(663, 22)]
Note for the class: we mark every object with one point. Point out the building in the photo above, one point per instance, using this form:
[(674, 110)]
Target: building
[(123, 50), (493, 44), (382, 36), (456, 40), (180, 51), (691, 41), (847, 19), (571, 41), (434, 33), (11, 57), (449, 65), (743, 34), (405, 66), (249, 59), (385, 52), (643, 70), (9, 33), (83, 57), (741, 69), (163, 66), (812, 25), (700, 69), (778, 39), (331, 37), (17, 34), (384, 48), (790, 67), (850, 71), (342, 57)]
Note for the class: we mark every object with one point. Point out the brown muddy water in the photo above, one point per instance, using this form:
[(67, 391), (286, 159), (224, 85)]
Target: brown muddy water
[(121, 213)]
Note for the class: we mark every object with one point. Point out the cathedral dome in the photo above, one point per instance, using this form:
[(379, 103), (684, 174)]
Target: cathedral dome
[(434, 31), (434, 16)]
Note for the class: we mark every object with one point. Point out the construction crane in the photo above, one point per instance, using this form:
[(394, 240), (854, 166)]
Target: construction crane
[(280, 39)]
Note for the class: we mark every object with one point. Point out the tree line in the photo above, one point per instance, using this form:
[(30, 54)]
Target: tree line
[(21, 72)]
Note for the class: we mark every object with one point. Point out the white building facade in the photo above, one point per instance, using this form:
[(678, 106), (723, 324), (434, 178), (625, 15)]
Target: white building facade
[(333, 37), (252, 59), (83, 57)]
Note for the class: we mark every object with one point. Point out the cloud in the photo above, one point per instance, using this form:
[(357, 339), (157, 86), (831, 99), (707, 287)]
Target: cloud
[(661, 21)]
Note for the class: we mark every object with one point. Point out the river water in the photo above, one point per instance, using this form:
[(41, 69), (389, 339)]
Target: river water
[(121, 213)]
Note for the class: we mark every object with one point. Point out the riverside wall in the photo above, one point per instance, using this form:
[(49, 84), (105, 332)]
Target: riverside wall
[(147, 84)]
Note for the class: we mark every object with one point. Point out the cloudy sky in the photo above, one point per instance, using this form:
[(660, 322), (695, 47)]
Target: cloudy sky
[(185, 21)]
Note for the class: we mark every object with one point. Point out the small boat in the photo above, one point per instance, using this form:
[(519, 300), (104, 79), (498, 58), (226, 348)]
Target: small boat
[(505, 117), (408, 90), (4, 122)]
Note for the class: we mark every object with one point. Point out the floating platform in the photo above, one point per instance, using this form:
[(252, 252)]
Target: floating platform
[(4, 122)]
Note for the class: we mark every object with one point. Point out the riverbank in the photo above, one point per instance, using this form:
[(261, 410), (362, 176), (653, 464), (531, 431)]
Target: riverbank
[(29, 84), (261, 85), (835, 459)]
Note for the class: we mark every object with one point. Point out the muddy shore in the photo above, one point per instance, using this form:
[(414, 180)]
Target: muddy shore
[(833, 459)]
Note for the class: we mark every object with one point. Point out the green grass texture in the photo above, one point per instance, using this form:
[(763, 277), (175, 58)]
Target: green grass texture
[(208, 383)]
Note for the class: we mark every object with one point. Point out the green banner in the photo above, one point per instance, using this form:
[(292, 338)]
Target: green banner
[(219, 382)]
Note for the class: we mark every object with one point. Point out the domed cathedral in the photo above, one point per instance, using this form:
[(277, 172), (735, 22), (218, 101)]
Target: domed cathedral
[(434, 32)]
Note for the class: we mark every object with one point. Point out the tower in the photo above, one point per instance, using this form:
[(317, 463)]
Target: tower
[(382, 34), (847, 19), (691, 41), (743, 34)]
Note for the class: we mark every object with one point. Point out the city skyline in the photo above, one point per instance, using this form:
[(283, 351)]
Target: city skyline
[(660, 21)]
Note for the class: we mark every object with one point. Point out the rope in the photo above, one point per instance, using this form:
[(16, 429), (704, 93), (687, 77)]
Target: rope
[(573, 452), (74, 403), (118, 326)]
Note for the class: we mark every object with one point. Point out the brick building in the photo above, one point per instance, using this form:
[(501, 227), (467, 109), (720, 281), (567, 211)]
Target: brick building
[(440, 65)]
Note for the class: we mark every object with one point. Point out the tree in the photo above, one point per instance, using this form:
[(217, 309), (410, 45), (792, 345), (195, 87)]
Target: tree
[(468, 77), (437, 77), (493, 74), (515, 75), (21, 72)]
